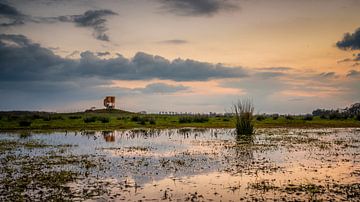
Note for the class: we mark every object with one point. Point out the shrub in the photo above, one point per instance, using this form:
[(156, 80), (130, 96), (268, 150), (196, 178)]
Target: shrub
[(244, 114), (135, 118), (260, 117), (289, 117), (46, 118), (57, 118), (13, 117), (89, 119), (74, 117), (36, 116), (185, 119), (226, 119), (24, 123), (142, 122), (358, 117), (200, 119), (104, 119), (152, 121), (323, 116), (308, 117), (275, 116)]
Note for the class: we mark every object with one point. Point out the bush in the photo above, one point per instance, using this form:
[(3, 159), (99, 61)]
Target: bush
[(57, 118), (152, 121), (260, 117), (135, 118), (24, 123), (289, 117), (89, 119), (13, 117), (46, 118), (36, 116), (195, 119), (308, 117), (226, 119), (200, 119), (142, 121), (74, 117), (323, 116), (275, 117), (104, 119), (185, 119), (358, 117)]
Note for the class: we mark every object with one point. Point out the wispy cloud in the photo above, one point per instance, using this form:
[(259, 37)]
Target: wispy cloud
[(174, 41), (94, 19), (197, 7)]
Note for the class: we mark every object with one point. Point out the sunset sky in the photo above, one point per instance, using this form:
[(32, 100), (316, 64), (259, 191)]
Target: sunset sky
[(288, 56)]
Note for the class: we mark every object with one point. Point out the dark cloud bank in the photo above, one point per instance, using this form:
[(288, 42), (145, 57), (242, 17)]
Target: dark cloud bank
[(33, 76), (23, 60)]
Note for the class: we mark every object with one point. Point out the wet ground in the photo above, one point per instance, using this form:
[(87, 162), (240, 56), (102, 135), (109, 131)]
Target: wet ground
[(181, 164)]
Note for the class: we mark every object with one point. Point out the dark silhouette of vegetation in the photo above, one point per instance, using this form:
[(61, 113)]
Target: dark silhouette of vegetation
[(358, 117), (74, 117), (275, 116), (289, 117), (338, 114), (260, 117), (152, 121), (308, 117), (244, 110), (24, 123), (193, 119), (104, 119), (89, 119)]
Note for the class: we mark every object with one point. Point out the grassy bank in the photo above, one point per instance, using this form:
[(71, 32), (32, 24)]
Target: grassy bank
[(104, 120)]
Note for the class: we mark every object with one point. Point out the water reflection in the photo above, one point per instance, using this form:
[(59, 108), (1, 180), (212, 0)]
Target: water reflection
[(109, 136), (203, 160)]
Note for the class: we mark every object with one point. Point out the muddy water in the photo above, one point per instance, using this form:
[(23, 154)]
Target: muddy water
[(194, 164)]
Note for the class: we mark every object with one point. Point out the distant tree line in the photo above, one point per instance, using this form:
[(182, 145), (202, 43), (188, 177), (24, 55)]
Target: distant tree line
[(348, 112)]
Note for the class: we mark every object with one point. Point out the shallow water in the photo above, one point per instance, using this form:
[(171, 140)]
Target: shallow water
[(199, 164)]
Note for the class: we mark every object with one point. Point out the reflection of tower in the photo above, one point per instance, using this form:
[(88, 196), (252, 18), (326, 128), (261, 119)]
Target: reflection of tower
[(109, 136), (109, 102)]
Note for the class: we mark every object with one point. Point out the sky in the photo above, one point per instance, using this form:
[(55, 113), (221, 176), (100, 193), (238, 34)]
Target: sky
[(287, 56)]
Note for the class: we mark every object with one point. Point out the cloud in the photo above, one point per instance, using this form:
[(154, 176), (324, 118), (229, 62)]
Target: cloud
[(12, 15), (103, 53), (198, 7), (95, 19), (327, 75), (268, 75), (162, 88), (350, 41), (353, 73), (174, 41), (23, 60), (275, 68)]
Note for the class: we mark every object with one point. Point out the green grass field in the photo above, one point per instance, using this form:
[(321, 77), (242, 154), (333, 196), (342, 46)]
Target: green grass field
[(116, 119)]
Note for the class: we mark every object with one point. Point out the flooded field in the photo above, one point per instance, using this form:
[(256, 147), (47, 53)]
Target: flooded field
[(181, 164)]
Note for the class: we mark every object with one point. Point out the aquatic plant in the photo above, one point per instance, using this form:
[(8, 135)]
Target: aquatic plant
[(244, 110)]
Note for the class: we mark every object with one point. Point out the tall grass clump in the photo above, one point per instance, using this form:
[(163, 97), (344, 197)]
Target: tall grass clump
[(244, 110)]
